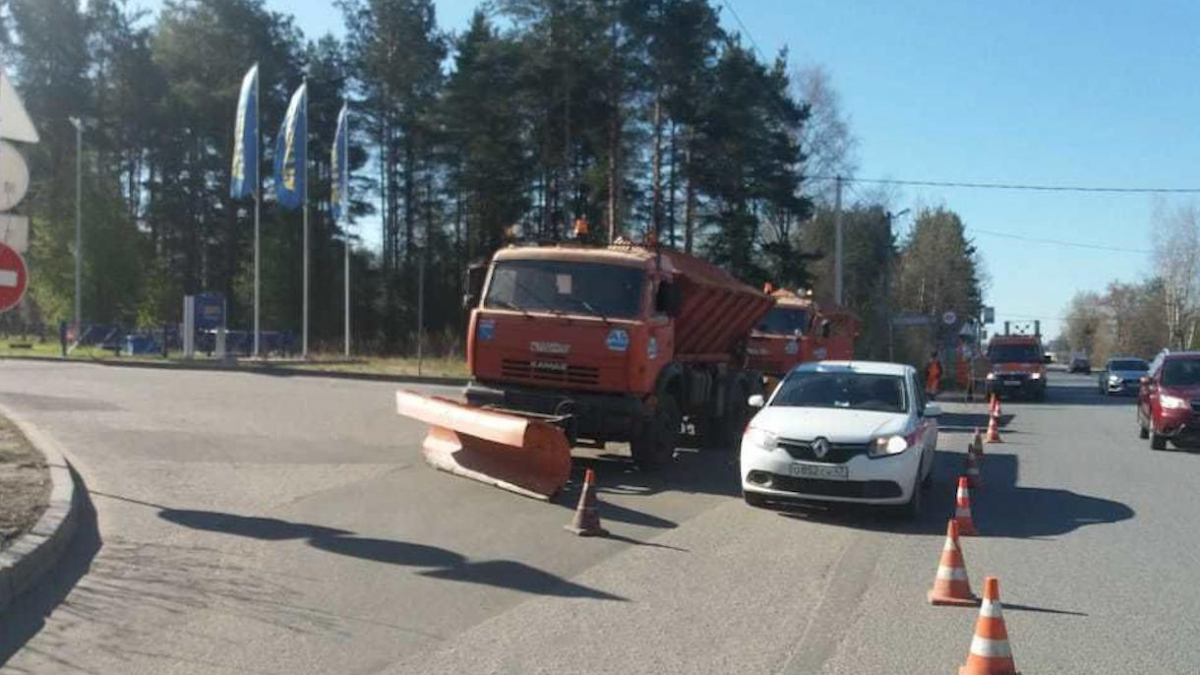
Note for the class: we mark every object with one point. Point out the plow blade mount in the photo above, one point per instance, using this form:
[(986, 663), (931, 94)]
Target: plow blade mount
[(526, 456)]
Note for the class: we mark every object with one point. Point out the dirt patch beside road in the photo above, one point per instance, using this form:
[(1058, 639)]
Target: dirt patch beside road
[(24, 483)]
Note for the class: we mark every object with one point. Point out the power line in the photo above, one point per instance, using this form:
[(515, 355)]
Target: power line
[(1013, 186), (746, 31), (1060, 242)]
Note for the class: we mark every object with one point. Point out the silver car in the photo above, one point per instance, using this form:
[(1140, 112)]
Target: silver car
[(1122, 375)]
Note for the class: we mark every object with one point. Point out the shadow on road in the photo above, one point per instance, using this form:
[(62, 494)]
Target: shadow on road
[(26, 616), (1000, 507), (450, 565)]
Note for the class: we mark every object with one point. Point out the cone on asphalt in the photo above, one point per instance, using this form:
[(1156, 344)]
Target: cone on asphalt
[(951, 586), (993, 434), (962, 509), (972, 471), (990, 653), (977, 443), (586, 522)]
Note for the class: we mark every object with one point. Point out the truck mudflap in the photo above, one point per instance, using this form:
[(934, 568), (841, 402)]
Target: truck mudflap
[(527, 456)]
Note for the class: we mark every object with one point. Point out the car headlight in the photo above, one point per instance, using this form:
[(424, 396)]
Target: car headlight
[(887, 445), (991, 376), (1035, 376), (1174, 402), (1113, 379), (762, 439)]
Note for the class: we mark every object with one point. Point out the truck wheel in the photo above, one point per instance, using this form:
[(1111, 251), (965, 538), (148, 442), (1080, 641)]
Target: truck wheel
[(654, 445), (729, 434)]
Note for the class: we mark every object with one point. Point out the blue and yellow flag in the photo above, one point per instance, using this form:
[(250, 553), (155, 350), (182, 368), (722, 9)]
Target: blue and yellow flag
[(291, 153), (340, 197), (245, 139)]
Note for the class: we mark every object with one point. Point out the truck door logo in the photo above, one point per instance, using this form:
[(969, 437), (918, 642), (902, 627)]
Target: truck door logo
[(486, 329), (618, 340)]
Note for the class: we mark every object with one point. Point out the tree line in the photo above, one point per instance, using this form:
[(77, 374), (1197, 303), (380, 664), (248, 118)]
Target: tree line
[(639, 117)]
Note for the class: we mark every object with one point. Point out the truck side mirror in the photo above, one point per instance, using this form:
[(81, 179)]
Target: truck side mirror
[(473, 283), (669, 299)]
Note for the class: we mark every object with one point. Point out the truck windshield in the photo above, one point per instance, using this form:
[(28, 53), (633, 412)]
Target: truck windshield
[(611, 291), (851, 390), (785, 321), (1014, 353)]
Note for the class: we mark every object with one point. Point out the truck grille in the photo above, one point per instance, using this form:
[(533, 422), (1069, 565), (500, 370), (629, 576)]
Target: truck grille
[(549, 370), (839, 453)]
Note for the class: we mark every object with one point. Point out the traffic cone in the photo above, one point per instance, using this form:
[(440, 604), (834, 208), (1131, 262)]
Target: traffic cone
[(951, 586), (993, 434), (587, 519), (993, 404), (990, 653), (972, 472), (977, 443), (962, 509)]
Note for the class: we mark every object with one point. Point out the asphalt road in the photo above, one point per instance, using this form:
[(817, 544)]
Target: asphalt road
[(259, 524)]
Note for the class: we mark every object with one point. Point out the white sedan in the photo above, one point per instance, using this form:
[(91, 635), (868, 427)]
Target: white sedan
[(842, 431)]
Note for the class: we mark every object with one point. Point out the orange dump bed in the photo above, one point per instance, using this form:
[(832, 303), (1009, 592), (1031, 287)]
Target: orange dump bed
[(718, 310)]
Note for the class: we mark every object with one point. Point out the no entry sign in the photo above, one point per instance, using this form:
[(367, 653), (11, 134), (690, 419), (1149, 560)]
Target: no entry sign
[(13, 278)]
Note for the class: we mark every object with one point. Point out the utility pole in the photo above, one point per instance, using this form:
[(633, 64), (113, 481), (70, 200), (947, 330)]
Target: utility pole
[(78, 123), (838, 282), (887, 283)]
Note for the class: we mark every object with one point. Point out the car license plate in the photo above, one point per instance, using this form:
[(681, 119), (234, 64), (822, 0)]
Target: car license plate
[(1012, 383), (820, 471)]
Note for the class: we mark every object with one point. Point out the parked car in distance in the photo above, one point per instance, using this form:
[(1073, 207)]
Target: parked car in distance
[(842, 431), (1122, 375), (1168, 400), (1080, 364)]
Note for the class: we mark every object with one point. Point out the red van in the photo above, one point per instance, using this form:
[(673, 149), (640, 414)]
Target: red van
[(1169, 400)]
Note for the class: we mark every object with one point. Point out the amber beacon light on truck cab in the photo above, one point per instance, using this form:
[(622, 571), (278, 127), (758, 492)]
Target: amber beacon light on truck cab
[(623, 343)]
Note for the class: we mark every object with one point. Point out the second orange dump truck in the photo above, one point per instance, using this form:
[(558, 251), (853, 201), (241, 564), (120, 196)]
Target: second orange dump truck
[(570, 345), (796, 331)]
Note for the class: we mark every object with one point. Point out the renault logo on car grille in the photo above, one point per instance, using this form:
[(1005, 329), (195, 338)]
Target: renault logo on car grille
[(820, 448)]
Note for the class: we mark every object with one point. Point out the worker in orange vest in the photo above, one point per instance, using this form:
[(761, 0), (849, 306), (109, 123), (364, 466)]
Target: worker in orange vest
[(933, 376)]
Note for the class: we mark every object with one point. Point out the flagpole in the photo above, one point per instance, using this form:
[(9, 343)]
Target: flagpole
[(304, 343), (257, 205), (345, 199)]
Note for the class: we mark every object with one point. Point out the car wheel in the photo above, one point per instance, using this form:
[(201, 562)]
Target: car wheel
[(754, 499), (1157, 442)]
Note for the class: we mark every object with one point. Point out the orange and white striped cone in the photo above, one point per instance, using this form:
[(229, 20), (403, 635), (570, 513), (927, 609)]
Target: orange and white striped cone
[(951, 586), (993, 404), (962, 509), (586, 522), (990, 653), (972, 471), (993, 434)]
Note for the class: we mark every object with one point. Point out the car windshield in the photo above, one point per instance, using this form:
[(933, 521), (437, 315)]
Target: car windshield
[(785, 321), (566, 287), (1128, 365), (1017, 353), (1181, 373), (842, 389)]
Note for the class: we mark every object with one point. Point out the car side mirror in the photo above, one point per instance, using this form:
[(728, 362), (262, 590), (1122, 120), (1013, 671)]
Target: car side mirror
[(933, 410), (756, 401)]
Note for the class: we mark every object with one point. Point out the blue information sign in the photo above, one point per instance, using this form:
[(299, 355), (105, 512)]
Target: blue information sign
[(210, 311)]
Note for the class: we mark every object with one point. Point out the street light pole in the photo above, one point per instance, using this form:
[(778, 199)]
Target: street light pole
[(887, 284), (78, 124), (838, 282)]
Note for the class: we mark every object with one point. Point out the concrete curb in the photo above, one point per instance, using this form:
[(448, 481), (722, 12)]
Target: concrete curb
[(278, 371), (38, 550)]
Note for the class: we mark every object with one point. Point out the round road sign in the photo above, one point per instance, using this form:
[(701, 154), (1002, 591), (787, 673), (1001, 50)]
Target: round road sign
[(13, 278), (949, 318)]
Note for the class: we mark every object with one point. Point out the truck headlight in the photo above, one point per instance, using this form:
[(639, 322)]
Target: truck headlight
[(1174, 402), (762, 439), (1035, 376), (991, 376), (887, 445)]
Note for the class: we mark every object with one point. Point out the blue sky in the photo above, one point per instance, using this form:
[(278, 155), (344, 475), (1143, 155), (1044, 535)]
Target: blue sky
[(1078, 93)]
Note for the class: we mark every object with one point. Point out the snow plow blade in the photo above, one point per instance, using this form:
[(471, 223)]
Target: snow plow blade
[(527, 456)]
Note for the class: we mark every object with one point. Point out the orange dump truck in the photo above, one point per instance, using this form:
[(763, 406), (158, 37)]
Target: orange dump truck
[(585, 346), (796, 331)]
